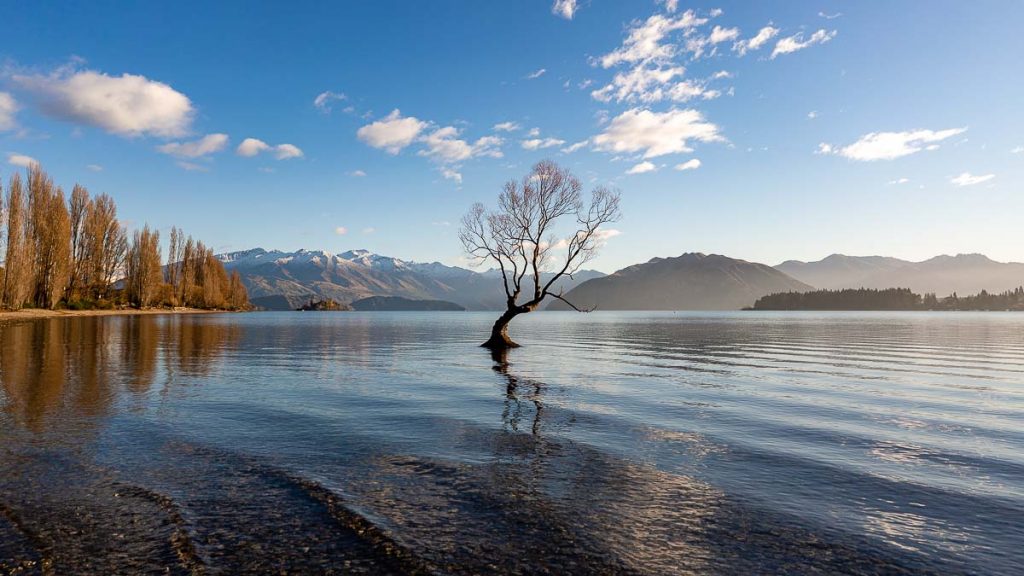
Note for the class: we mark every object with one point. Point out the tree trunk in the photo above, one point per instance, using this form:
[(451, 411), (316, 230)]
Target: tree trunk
[(499, 339)]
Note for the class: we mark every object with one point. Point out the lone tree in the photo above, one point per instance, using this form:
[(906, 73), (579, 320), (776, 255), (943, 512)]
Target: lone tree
[(523, 237)]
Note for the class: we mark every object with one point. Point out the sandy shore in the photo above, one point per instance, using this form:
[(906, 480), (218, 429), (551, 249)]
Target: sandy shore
[(36, 313)]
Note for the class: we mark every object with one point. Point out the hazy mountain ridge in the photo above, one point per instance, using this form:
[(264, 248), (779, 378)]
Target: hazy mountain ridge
[(942, 275), (692, 281), (359, 274)]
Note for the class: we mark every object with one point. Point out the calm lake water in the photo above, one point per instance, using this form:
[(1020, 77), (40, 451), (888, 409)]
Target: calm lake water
[(628, 443)]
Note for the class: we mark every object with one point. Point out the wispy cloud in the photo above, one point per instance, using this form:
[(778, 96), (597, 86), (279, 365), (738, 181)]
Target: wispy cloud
[(209, 144), (968, 179), (642, 168), (536, 74), (890, 145), (506, 126), (324, 100), (565, 8), (796, 42), (21, 160), (541, 143), (757, 41), (8, 107), (691, 164), (252, 146)]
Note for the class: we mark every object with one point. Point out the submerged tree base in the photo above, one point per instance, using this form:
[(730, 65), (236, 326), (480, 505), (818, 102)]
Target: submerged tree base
[(499, 343)]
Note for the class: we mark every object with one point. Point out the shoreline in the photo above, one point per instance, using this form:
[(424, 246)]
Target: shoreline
[(39, 313)]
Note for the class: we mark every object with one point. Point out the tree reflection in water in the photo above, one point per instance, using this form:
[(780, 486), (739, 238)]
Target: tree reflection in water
[(513, 408), (61, 374)]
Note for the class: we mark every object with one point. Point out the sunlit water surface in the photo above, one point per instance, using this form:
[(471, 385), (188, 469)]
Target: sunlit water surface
[(610, 443)]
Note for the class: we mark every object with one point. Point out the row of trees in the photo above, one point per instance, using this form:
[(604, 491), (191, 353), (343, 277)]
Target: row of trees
[(888, 299), (75, 252)]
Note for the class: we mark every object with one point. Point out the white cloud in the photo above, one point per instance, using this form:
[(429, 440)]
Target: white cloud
[(324, 100), (691, 164), (656, 134), (193, 167), (574, 147), (899, 181), (7, 109), (392, 133), (536, 74), (251, 147), (286, 151), (369, 230), (968, 179), (796, 42), (451, 174), (206, 145), (670, 5), (341, 230), (698, 44), (506, 126), (21, 160), (94, 168), (720, 34), (533, 132), (757, 41), (565, 8), (127, 105), (639, 83), (647, 85), (812, 114), (830, 16), (540, 143), (642, 168), (357, 173), (1017, 150), (445, 146), (644, 41), (890, 145)]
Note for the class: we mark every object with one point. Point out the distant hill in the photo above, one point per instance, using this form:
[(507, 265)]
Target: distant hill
[(399, 304), (689, 282), (839, 270), (942, 275), (295, 277)]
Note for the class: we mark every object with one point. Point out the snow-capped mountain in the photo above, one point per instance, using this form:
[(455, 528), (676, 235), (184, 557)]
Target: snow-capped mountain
[(284, 280)]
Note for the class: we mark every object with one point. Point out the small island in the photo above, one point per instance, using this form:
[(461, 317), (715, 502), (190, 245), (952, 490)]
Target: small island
[(399, 304), (326, 305)]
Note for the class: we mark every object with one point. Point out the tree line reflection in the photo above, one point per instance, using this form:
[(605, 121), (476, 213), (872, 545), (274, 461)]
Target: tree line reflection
[(55, 370)]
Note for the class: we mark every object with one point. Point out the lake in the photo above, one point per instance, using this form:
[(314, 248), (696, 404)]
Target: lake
[(616, 443)]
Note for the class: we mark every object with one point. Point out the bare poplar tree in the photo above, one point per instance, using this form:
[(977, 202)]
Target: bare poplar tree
[(79, 206), (143, 275), (105, 245), (174, 250), (18, 258), (522, 237), (50, 225)]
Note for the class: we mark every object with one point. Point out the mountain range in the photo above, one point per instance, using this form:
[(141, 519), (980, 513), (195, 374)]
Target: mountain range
[(279, 280), (942, 275), (692, 281)]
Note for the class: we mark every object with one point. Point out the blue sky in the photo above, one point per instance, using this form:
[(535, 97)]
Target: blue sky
[(864, 127)]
